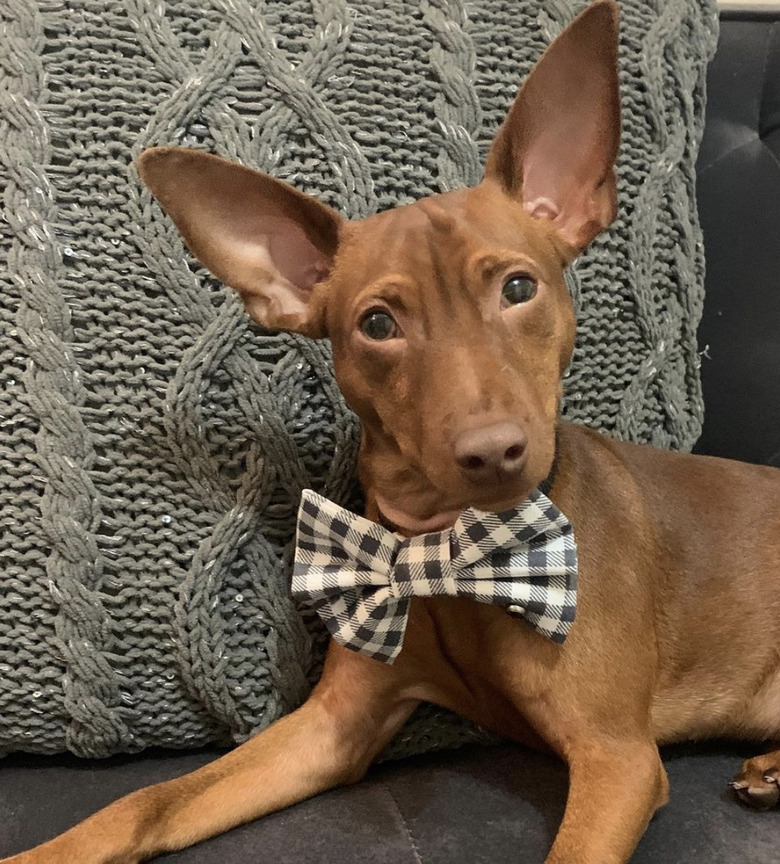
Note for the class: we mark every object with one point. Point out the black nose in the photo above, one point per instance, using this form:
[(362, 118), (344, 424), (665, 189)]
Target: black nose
[(487, 451)]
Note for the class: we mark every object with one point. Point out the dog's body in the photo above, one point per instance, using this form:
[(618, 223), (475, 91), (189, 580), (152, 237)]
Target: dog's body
[(673, 634), (450, 345)]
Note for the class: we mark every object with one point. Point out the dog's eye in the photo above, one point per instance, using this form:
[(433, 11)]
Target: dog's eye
[(518, 288), (379, 326)]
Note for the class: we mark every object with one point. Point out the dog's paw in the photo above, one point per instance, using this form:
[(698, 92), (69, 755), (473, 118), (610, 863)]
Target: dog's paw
[(757, 783)]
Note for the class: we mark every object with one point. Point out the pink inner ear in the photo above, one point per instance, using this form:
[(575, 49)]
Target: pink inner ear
[(563, 176), (563, 159), (542, 208), (295, 257), (260, 242)]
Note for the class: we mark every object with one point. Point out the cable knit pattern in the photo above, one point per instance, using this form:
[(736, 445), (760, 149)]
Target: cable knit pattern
[(153, 442)]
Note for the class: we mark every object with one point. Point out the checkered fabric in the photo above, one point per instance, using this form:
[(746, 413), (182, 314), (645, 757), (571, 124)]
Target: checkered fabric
[(359, 576)]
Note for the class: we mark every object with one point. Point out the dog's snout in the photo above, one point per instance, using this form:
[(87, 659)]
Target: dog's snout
[(497, 449)]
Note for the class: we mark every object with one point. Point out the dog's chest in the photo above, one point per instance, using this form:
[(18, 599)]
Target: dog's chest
[(471, 658)]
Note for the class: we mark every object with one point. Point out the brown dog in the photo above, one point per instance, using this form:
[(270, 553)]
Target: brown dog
[(451, 327)]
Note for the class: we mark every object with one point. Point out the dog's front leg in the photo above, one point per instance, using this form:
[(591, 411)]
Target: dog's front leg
[(331, 740), (614, 789)]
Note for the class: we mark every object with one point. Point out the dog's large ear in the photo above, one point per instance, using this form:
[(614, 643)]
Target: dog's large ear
[(260, 236), (556, 149)]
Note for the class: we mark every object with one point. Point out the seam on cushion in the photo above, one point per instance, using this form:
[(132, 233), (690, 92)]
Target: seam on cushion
[(759, 118), (718, 159), (407, 828), (764, 85), (762, 132), (771, 153)]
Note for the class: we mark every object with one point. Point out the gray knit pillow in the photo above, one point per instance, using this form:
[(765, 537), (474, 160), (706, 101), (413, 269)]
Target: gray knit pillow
[(153, 443)]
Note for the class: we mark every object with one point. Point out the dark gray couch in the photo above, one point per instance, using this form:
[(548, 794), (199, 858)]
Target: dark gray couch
[(503, 804)]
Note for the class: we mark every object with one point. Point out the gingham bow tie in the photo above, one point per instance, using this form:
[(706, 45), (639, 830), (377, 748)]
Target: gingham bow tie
[(359, 576)]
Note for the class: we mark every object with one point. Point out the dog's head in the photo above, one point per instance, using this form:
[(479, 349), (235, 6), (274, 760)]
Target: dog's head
[(450, 320)]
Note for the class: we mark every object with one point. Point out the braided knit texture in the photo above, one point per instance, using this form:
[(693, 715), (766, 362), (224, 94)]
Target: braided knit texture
[(153, 442)]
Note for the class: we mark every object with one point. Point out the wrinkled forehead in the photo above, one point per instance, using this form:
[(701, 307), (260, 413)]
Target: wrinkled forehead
[(444, 233)]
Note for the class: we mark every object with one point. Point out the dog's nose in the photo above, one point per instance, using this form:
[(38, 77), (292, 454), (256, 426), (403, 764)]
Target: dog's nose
[(487, 451)]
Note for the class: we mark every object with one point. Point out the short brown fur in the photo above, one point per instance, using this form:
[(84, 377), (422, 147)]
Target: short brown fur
[(680, 555)]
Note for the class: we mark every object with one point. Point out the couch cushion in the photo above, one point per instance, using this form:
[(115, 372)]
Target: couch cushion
[(476, 805), (739, 191)]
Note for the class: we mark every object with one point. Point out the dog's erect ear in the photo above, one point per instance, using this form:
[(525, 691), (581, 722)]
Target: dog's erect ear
[(556, 149), (260, 236)]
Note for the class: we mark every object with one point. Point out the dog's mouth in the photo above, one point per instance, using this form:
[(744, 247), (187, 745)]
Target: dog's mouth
[(434, 506)]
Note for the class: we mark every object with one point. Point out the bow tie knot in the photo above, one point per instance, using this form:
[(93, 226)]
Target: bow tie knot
[(360, 576)]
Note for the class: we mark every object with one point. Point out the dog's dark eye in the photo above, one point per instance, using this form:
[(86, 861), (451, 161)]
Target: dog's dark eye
[(518, 288), (379, 326)]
